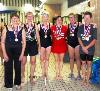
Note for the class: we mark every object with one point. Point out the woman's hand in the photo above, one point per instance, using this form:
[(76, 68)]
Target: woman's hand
[(21, 57), (85, 50), (6, 59)]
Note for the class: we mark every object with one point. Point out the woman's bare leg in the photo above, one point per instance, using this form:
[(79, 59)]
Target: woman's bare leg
[(89, 63), (61, 64), (42, 57), (48, 51), (77, 57), (84, 71), (57, 64), (71, 56), (32, 67)]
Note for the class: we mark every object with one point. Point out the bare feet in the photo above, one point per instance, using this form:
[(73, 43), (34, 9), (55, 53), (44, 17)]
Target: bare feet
[(58, 77), (32, 80), (88, 83), (22, 79)]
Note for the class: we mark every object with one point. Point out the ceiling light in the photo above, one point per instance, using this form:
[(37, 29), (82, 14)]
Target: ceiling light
[(43, 1), (28, 8), (2, 7)]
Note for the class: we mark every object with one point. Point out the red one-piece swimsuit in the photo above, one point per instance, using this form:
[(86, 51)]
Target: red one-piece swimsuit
[(59, 34)]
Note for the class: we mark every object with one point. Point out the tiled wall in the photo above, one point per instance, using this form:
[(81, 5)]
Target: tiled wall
[(96, 19)]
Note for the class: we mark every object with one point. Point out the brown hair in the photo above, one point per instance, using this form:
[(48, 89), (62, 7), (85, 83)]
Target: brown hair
[(58, 17), (14, 14), (88, 13)]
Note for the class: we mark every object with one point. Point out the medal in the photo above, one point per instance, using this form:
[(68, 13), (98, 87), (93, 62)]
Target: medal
[(87, 38), (16, 39), (30, 34), (72, 34), (45, 36), (29, 30), (72, 29), (58, 33), (45, 28), (16, 33), (87, 32), (45, 33)]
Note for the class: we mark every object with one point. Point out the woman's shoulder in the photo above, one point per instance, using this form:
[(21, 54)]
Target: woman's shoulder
[(65, 26), (8, 27), (53, 26), (81, 26)]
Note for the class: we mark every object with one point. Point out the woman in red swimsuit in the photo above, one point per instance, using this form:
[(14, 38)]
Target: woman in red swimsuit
[(59, 45)]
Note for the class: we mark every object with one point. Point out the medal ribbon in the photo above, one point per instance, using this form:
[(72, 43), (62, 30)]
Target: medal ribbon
[(72, 28), (59, 34), (29, 29), (58, 30), (45, 29), (16, 31), (87, 30)]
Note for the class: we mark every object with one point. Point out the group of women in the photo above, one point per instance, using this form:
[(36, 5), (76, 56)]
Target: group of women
[(20, 40)]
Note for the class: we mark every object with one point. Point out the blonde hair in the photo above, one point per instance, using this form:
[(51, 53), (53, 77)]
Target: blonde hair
[(72, 15), (29, 13), (45, 14)]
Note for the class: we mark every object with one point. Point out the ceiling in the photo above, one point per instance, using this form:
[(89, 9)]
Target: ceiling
[(54, 1)]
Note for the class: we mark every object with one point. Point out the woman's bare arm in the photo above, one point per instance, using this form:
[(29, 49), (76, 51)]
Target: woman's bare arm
[(37, 35), (3, 38)]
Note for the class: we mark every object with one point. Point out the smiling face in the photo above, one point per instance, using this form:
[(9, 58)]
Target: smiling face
[(45, 17), (15, 20), (29, 17), (72, 18), (87, 19), (59, 21)]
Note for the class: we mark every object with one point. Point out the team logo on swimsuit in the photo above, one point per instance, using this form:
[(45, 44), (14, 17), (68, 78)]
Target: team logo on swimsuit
[(58, 33)]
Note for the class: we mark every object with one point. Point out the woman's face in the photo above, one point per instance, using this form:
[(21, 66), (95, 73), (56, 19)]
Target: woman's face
[(87, 19), (59, 21), (29, 17), (45, 18), (15, 20), (71, 18)]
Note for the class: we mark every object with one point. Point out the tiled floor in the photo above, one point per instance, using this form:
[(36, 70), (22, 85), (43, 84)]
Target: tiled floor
[(50, 84)]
